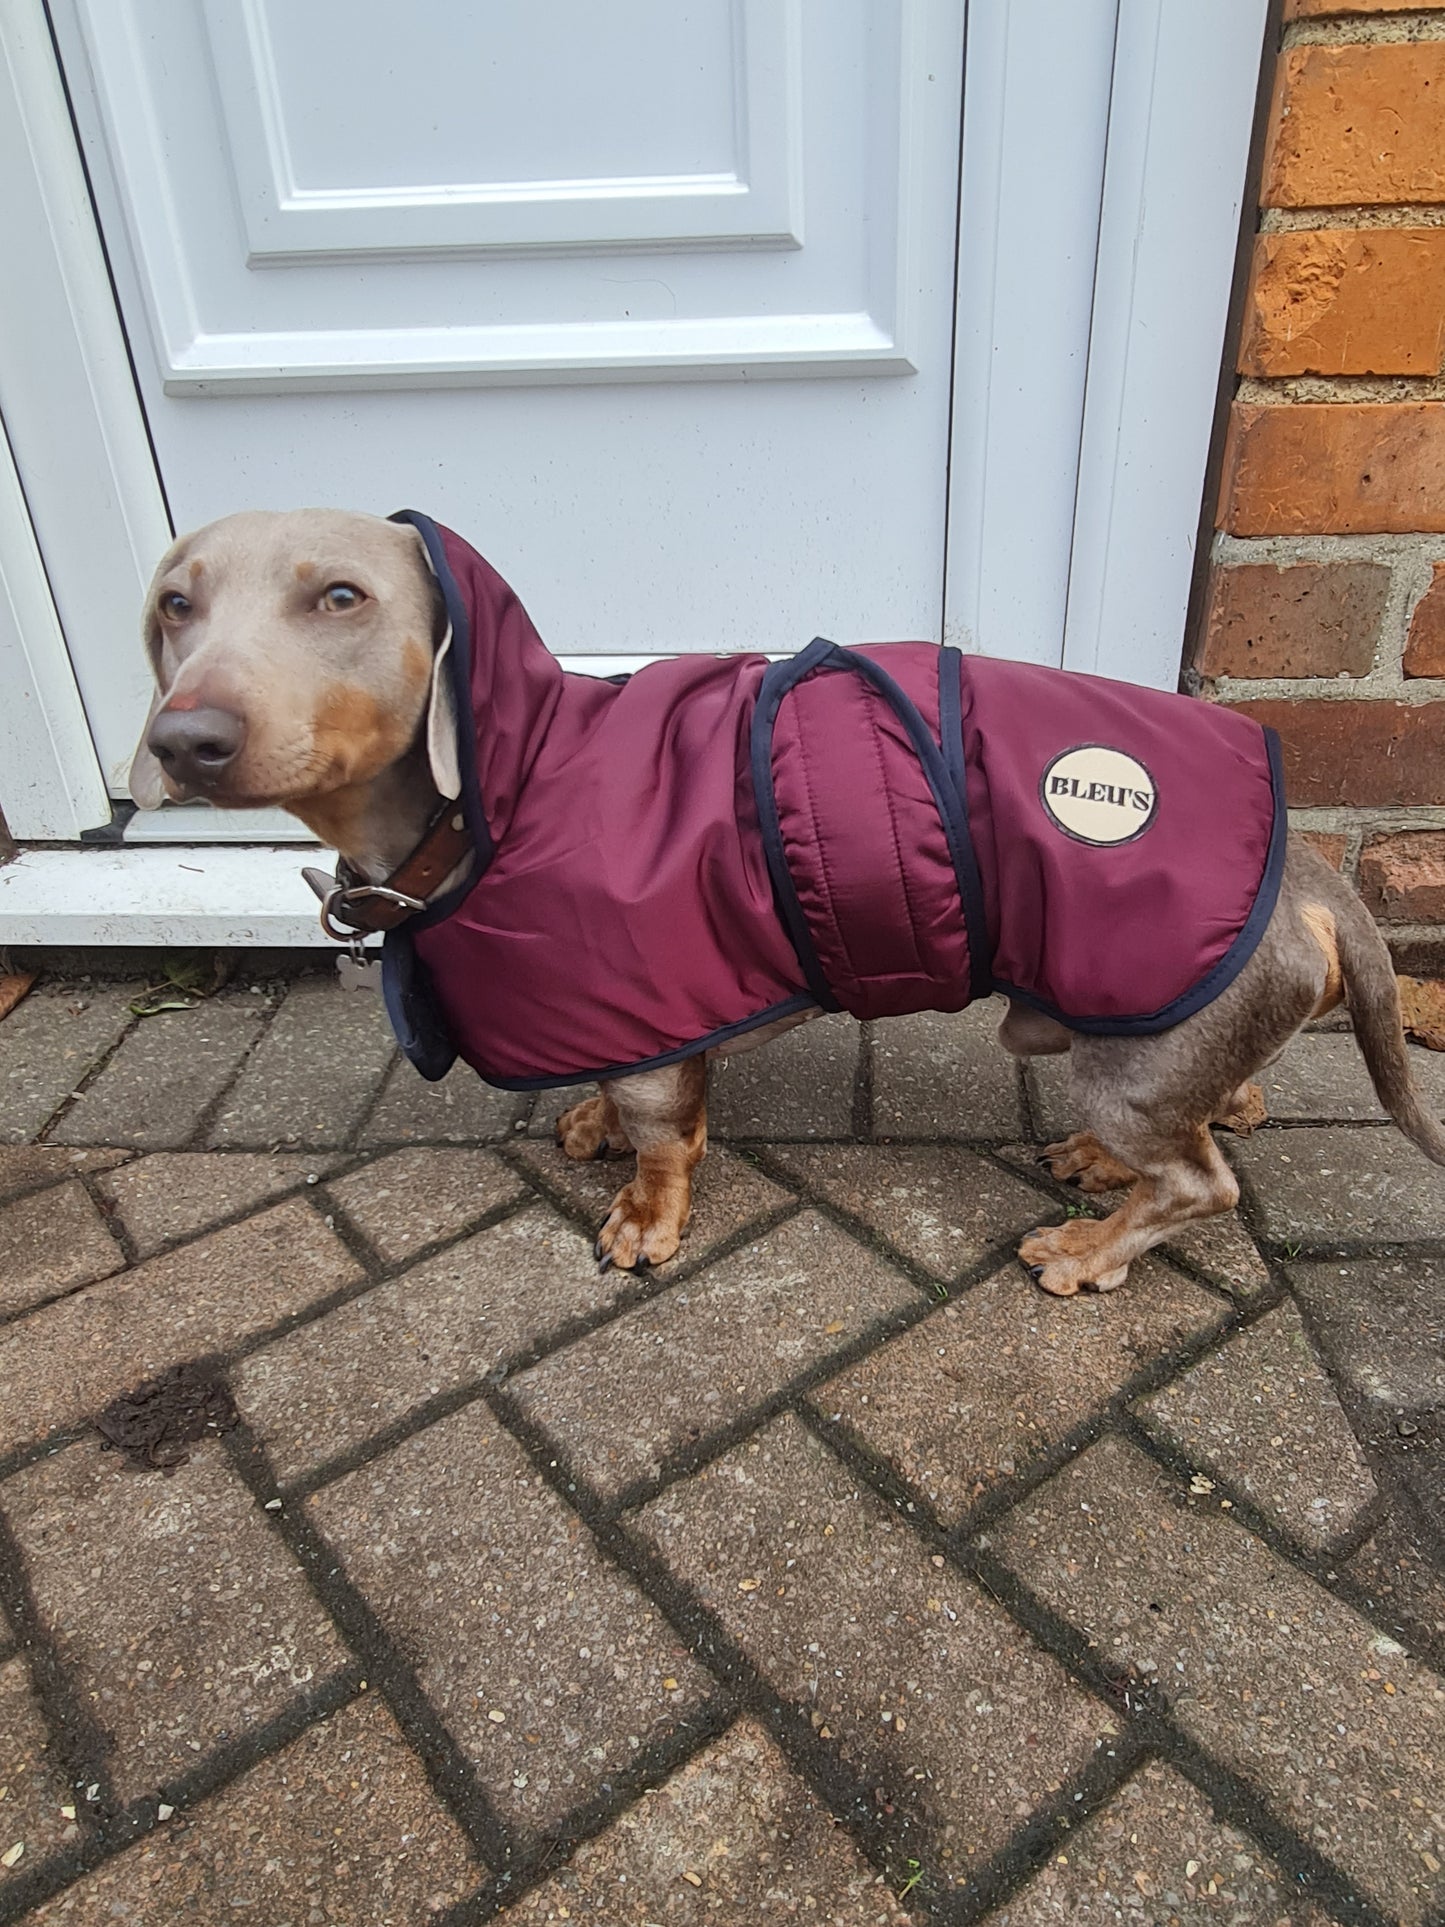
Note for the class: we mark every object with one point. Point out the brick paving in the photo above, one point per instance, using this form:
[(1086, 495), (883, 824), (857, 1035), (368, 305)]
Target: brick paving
[(830, 1573)]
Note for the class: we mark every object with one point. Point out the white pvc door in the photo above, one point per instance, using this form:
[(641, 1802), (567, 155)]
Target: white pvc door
[(651, 300)]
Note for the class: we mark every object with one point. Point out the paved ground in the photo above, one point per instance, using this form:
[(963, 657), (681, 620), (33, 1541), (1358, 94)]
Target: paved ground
[(832, 1574)]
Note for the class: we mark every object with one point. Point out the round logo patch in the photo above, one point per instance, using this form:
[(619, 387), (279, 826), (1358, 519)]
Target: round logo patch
[(1099, 795)]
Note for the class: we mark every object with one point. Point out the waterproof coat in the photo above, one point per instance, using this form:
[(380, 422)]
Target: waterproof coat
[(667, 860)]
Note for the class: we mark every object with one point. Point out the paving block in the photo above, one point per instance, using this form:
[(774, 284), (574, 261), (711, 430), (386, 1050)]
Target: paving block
[(339, 1827), (945, 1074), (942, 1207), (314, 1073), (1054, 1112), (728, 1193), (1323, 1078), (930, 1691), (1338, 1729), (735, 1835), (1399, 1582), (993, 1381), (174, 1194), (799, 1085), (1157, 1853), (34, 1778), (31, 1167), (415, 1198), (1381, 1323), (1317, 1186), (73, 1358), (549, 1667), (624, 1399), (47, 1046), (156, 1090), (51, 1242), (459, 1109), (1260, 1413), (181, 1613), (333, 1384)]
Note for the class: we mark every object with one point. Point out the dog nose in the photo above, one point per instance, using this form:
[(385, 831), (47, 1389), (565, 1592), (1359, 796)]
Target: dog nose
[(195, 745)]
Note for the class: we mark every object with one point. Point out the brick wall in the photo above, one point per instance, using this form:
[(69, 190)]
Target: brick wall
[(1325, 611)]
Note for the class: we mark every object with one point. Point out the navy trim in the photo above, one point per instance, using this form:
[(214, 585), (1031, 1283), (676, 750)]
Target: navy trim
[(459, 662), (417, 1020), (970, 885), (416, 1016), (800, 1000), (1230, 964), (778, 679)]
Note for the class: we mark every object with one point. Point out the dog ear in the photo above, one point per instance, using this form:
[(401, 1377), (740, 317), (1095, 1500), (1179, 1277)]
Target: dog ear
[(146, 788), (147, 791), (441, 723)]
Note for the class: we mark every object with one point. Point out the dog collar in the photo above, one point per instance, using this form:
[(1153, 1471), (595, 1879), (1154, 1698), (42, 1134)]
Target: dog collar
[(350, 904)]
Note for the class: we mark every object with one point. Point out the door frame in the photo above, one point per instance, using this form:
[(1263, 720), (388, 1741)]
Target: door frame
[(1127, 431)]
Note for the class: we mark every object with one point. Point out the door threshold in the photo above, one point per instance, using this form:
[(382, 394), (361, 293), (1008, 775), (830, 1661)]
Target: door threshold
[(213, 896)]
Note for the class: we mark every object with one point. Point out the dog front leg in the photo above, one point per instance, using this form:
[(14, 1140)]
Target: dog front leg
[(664, 1115)]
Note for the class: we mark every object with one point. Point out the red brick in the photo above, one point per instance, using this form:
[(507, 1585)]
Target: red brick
[(1425, 648), (1326, 843), (1373, 755), (1308, 619), (1357, 124), (1335, 468), (1402, 878), (1313, 9), (1355, 301)]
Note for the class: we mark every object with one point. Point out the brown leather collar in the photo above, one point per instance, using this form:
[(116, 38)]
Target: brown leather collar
[(350, 901)]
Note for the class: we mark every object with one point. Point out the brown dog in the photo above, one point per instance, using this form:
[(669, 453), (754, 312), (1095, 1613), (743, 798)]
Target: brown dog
[(295, 662)]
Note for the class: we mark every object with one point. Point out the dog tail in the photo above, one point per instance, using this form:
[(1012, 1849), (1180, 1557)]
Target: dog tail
[(1374, 1000)]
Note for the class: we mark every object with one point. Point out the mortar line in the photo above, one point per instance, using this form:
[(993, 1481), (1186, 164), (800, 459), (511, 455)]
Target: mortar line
[(818, 1762), (85, 1081), (1234, 1797), (270, 1011), (361, 1627)]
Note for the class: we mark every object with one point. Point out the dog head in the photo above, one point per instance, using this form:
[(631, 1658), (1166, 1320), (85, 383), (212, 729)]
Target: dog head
[(295, 656)]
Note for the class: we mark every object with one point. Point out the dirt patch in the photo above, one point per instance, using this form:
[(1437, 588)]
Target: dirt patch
[(154, 1424)]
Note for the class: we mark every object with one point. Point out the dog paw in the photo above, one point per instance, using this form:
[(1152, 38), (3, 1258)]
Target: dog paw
[(640, 1230), (1082, 1160), (1244, 1112), (583, 1131), (1067, 1258)]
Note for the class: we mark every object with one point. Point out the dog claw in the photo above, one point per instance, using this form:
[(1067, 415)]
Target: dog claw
[(600, 1153), (644, 1263), (597, 1248), (605, 1264), (1036, 1271)]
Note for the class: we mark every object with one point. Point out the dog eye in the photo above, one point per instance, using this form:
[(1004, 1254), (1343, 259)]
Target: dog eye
[(341, 596), (173, 606)]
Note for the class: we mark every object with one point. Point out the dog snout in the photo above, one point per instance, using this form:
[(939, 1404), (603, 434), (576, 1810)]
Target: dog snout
[(195, 747)]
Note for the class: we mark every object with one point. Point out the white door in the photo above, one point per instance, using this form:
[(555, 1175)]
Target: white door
[(673, 307), (653, 302)]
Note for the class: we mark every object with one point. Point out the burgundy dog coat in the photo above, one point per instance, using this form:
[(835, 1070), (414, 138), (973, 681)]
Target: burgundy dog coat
[(667, 860)]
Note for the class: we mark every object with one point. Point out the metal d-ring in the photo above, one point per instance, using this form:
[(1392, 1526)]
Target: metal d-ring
[(344, 897)]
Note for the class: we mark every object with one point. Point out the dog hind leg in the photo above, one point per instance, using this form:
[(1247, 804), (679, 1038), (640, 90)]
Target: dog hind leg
[(1181, 1176)]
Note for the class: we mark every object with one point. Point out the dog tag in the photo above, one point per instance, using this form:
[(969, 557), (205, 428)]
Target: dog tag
[(358, 974)]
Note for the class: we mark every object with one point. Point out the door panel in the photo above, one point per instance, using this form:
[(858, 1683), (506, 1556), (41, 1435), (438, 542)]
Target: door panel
[(551, 192)]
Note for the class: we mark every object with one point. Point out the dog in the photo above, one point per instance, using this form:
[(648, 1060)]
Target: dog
[(323, 661)]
